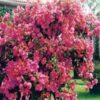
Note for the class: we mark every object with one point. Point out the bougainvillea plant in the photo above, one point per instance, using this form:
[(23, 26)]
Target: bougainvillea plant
[(41, 45)]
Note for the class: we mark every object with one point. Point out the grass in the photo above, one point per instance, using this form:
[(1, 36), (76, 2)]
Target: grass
[(80, 87), (85, 95)]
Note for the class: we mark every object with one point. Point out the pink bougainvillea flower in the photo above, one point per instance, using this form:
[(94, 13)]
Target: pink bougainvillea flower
[(40, 47)]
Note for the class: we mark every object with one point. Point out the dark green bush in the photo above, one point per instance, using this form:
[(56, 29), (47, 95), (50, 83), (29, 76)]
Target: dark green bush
[(4, 9)]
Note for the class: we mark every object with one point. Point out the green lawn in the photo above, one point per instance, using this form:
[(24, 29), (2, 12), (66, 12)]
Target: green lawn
[(82, 93), (85, 95)]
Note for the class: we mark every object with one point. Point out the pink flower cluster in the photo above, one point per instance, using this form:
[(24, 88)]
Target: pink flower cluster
[(40, 46)]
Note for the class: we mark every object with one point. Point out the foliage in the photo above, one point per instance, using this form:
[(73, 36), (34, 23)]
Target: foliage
[(40, 47), (5, 9)]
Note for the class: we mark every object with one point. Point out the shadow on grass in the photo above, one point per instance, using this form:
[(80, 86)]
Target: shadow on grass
[(88, 96)]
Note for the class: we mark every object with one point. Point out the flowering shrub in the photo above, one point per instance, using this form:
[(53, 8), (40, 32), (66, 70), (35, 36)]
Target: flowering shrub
[(39, 48)]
